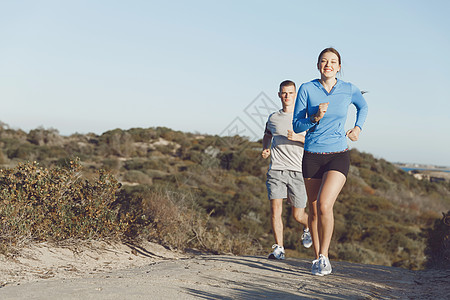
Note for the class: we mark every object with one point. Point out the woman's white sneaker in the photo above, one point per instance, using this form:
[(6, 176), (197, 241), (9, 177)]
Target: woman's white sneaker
[(315, 267), (278, 252), (324, 265), (306, 238)]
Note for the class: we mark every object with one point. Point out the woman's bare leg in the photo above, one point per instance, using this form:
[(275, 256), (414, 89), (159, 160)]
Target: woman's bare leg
[(332, 183), (312, 186)]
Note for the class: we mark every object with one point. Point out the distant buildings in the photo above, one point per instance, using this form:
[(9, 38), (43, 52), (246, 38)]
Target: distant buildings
[(425, 176)]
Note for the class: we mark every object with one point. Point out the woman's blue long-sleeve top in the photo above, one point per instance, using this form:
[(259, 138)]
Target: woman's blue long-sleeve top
[(328, 135)]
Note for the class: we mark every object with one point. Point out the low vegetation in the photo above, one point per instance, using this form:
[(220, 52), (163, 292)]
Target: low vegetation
[(56, 204), (191, 191)]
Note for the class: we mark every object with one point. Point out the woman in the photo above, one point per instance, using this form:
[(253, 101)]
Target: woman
[(321, 108)]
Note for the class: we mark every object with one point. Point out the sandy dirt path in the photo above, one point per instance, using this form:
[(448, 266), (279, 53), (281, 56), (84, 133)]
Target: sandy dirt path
[(236, 277)]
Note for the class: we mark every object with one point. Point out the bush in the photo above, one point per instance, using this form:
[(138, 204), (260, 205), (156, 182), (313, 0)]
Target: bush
[(111, 164), (116, 142), (56, 204), (140, 164), (137, 177), (438, 249), (43, 136), (27, 151)]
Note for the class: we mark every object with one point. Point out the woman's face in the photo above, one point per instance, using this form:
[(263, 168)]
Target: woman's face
[(329, 65)]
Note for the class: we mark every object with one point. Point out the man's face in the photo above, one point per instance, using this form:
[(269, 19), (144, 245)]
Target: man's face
[(287, 95)]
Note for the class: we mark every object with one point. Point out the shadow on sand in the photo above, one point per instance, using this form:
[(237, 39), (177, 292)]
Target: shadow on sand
[(260, 278)]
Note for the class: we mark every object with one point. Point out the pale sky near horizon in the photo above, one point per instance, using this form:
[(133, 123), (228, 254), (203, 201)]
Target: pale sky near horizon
[(208, 66)]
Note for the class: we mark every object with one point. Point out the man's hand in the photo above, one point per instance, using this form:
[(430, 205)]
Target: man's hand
[(265, 153), (353, 134), (291, 135)]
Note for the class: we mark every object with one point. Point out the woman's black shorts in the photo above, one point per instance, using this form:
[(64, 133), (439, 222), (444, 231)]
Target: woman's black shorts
[(316, 164)]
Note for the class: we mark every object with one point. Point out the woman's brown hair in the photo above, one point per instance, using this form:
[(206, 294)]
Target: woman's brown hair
[(332, 50)]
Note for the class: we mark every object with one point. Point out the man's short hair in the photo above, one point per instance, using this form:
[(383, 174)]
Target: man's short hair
[(287, 83)]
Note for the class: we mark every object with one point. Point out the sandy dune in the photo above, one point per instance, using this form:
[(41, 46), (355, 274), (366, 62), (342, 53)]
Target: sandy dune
[(106, 271)]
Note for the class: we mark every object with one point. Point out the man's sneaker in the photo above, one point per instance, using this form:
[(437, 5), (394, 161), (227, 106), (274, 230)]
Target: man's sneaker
[(278, 252), (324, 265), (315, 267), (306, 238)]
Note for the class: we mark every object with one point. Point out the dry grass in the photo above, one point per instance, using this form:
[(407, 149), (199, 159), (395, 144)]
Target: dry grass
[(176, 221)]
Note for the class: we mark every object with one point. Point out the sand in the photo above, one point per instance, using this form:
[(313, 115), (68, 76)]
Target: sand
[(101, 270)]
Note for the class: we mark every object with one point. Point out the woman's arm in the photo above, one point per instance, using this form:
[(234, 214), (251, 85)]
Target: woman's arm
[(300, 121), (361, 107), (361, 113)]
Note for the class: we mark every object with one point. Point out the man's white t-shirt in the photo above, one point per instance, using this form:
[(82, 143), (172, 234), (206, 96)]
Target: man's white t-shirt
[(285, 154)]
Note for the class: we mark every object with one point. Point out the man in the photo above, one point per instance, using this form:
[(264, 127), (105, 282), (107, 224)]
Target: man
[(285, 178)]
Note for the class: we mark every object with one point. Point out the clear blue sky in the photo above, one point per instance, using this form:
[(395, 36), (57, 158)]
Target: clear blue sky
[(196, 66)]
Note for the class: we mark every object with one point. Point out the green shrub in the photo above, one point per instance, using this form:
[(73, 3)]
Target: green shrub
[(137, 177), (140, 164), (31, 152), (111, 164), (116, 142), (41, 136), (141, 135)]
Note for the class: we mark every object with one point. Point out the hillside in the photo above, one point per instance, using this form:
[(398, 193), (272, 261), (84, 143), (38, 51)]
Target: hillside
[(187, 190)]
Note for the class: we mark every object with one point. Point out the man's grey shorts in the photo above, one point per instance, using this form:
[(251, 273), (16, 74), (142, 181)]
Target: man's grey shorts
[(281, 184)]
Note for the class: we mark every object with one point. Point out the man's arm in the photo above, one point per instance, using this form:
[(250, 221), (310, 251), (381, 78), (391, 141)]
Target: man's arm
[(267, 140), (297, 137)]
